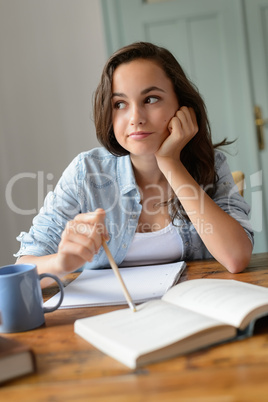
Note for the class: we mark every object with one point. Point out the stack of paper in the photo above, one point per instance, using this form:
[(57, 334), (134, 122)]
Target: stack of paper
[(101, 287)]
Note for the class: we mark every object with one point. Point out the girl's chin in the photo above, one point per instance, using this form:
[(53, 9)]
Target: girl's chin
[(143, 151), (143, 148)]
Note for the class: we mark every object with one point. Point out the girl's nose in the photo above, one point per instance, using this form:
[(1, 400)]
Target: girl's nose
[(137, 116)]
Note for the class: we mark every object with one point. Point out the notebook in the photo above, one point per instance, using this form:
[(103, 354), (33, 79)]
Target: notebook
[(101, 287)]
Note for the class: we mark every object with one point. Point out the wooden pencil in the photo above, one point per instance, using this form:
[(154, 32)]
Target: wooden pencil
[(118, 275)]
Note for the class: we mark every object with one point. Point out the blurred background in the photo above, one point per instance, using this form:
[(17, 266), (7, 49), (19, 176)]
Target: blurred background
[(51, 56), (52, 53)]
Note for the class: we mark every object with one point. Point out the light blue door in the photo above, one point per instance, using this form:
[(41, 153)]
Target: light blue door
[(257, 30), (208, 37)]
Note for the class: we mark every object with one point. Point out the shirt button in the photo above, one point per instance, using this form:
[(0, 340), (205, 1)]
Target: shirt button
[(134, 216), (124, 245)]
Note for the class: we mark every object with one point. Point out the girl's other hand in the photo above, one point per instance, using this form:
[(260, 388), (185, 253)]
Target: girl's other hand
[(182, 127)]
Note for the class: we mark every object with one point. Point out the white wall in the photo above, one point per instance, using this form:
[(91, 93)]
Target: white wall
[(51, 56)]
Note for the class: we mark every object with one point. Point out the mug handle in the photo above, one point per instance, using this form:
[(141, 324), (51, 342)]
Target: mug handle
[(50, 309)]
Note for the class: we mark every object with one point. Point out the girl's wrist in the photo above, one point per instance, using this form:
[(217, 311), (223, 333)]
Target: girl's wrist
[(168, 165)]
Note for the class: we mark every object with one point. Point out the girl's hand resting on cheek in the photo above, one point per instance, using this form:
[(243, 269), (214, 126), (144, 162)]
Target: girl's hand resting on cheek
[(183, 127), (81, 240)]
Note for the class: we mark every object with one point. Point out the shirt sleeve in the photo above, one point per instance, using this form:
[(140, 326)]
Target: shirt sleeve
[(60, 206), (227, 195)]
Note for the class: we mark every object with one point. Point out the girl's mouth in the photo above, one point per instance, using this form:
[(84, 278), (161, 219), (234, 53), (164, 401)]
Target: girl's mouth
[(139, 135)]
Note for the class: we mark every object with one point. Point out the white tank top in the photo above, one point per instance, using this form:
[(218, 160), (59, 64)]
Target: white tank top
[(159, 247)]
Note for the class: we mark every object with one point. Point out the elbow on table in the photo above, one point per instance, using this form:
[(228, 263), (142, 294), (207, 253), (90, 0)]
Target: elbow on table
[(236, 268), (238, 262)]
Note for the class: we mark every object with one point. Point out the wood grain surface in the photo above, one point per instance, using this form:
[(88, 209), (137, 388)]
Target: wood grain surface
[(70, 369)]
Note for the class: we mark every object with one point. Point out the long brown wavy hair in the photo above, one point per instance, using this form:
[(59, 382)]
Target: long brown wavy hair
[(198, 155)]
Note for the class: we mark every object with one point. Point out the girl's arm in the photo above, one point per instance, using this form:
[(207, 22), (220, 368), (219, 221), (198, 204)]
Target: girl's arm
[(80, 241), (227, 241)]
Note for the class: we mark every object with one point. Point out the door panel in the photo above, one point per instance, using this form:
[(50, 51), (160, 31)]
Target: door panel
[(208, 39), (257, 29)]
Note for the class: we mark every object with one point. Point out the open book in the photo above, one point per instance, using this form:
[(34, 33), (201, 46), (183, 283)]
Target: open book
[(100, 287), (191, 315)]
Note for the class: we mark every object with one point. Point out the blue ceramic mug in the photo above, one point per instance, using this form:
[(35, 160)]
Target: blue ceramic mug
[(21, 300)]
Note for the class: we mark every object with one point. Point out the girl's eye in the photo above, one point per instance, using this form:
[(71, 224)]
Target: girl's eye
[(152, 99), (119, 105)]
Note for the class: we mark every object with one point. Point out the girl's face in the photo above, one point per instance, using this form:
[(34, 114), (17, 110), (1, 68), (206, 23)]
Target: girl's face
[(143, 103)]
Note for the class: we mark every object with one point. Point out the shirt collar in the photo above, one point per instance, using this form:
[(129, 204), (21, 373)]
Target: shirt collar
[(125, 175)]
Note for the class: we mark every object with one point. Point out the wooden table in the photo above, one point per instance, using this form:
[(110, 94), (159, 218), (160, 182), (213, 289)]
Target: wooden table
[(70, 369)]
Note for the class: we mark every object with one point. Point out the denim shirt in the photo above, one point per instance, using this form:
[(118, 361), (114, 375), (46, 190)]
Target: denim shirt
[(98, 179)]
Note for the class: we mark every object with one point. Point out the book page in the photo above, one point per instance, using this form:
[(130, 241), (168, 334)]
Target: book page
[(155, 325), (226, 300), (101, 287)]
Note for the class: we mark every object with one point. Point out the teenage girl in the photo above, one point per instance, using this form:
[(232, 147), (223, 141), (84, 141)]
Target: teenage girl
[(157, 191)]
